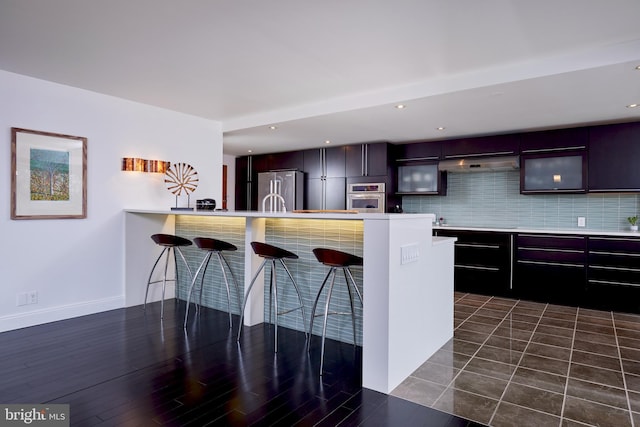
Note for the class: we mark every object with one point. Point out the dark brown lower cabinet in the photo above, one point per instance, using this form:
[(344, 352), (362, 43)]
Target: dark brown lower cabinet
[(482, 261), (613, 274), (550, 268)]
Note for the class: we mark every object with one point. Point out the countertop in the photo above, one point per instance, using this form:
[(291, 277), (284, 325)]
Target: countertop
[(257, 214), (578, 231)]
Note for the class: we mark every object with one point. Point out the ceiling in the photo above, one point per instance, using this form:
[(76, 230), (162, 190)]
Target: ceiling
[(335, 69)]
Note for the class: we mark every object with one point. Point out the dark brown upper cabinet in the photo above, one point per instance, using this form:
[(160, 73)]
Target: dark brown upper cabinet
[(554, 141), (614, 151), (554, 161), (419, 151), (496, 145), (324, 162), (367, 159), (290, 160)]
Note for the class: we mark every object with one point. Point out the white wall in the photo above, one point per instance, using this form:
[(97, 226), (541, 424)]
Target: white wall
[(76, 265)]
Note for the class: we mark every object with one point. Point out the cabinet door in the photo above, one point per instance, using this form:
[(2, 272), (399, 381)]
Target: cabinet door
[(325, 193), (312, 163), (614, 151), (419, 151), (482, 262), (354, 158), (242, 183), (313, 193), (335, 193), (334, 158), (290, 160), (366, 159), (497, 145), (613, 274), (550, 268), (324, 162), (377, 159), (554, 140)]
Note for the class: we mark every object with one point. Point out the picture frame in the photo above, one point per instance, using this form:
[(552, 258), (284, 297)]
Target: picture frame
[(48, 175)]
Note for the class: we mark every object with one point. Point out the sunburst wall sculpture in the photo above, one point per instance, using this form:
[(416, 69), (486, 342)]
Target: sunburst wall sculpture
[(181, 178)]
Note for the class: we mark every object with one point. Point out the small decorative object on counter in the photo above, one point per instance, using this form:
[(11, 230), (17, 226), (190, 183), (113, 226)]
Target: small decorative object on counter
[(633, 222), (205, 204), (181, 177)]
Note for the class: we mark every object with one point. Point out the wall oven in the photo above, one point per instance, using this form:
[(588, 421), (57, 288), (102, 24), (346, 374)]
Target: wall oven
[(366, 197)]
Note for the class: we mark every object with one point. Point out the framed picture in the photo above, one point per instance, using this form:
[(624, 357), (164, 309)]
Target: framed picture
[(48, 175)]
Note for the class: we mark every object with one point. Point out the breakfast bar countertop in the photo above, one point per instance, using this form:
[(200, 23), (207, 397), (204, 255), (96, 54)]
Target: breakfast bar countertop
[(305, 215)]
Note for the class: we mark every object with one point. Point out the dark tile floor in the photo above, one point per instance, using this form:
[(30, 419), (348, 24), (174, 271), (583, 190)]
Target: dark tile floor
[(523, 363)]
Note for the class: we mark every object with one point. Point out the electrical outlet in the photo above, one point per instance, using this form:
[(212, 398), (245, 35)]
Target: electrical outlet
[(32, 297), (582, 221)]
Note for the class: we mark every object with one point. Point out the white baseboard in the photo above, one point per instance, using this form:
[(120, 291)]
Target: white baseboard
[(52, 314)]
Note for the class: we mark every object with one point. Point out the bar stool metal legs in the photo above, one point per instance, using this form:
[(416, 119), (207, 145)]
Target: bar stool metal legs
[(170, 243), (271, 254), (334, 259), (213, 246)]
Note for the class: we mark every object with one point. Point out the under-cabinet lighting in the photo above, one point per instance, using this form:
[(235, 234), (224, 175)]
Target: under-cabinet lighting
[(557, 178)]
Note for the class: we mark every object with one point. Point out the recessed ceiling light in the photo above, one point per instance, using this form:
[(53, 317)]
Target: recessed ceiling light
[(327, 142), (638, 67), (273, 127), (440, 128), (632, 105), (249, 151), (400, 106)]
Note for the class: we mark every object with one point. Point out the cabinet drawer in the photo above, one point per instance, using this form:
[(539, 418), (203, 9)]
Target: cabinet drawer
[(473, 254), (547, 241), (557, 257), (608, 275), (614, 244), (614, 259)]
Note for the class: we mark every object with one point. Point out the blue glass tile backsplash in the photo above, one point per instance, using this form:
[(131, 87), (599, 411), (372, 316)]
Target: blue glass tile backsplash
[(493, 199), (299, 236)]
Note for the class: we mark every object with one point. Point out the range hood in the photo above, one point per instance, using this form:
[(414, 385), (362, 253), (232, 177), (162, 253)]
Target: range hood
[(480, 164)]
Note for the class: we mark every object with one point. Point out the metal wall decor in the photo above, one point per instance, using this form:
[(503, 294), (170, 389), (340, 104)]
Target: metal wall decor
[(181, 178)]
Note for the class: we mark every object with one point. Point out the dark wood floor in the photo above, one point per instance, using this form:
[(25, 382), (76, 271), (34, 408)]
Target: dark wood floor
[(122, 368)]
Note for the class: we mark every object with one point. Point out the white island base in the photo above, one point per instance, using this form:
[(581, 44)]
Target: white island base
[(407, 283)]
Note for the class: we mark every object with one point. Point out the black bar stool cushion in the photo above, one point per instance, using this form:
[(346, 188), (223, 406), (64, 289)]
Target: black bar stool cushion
[(334, 258), (265, 250), (213, 245), (170, 240)]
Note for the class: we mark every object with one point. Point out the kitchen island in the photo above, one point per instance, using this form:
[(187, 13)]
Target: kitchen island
[(407, 275)]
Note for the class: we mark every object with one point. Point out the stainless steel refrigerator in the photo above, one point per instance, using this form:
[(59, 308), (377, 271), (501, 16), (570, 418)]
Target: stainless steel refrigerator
[(281, 190)]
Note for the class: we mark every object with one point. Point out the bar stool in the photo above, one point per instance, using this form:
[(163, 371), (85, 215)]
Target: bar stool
[(272, 254), (334, 259), (213, 246), (169, 243)]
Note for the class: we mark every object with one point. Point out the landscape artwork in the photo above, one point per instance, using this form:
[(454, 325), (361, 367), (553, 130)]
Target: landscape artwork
[(49, 174)]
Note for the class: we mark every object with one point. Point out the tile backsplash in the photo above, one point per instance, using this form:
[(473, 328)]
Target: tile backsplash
[(493, 199)]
